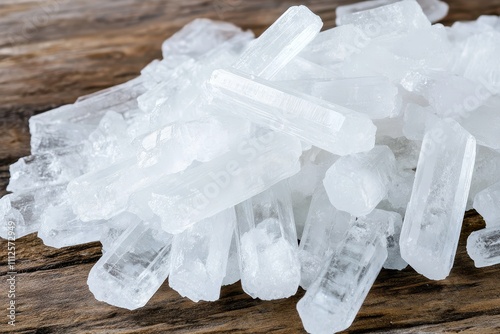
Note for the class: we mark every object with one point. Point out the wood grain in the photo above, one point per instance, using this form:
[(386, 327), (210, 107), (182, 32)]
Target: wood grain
[(53, 51)]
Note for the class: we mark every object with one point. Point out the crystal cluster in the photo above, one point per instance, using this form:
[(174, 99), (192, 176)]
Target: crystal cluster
[(367, 142)]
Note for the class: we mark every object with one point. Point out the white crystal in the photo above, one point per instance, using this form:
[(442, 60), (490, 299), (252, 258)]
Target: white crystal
[(401, 181), (280, 43), (435, 10), (270, 267), (375, 97), (104, 193), (325, 125), (69, 125), (485, 172), (233, 262), (115, 227), (197, 38), (109, 143), (433, 219), (484, 123), (399, 17), (358, 182), (394, 260), (477, 61), (417, 120), (303, 69), (396, 56), (60, 227), (22, 211), (314, 163), (202, 191), (47, 169), (332, 46), (324, 230), (177, 145), (129, 273), (199, 257), (487, 204), (333, 299), (225, 141), (483, 246)]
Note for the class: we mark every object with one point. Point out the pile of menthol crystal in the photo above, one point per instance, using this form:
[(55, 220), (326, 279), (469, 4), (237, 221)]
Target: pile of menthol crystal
[(209, 166)]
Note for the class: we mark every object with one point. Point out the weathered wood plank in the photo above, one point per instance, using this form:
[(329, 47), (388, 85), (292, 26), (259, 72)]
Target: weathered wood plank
[(53, 51)]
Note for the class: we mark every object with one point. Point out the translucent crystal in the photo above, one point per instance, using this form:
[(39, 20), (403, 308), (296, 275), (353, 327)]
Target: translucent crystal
[(399, 17), (487, 204), (164, 152), (358, 182), (325, 125), (435, 10), (23, 210), (233, 262), (12, 223), (61, 227), (396, 56), (324, 230), (401, 181), (433, 219), (448, 94), (335, 45), (280, 43), (47, 168), (314, 163), (212, 163), (485, 172), (197, 38), (477, 61), (202, 191), (394, 260), (179, 97), (483, 246), (104, 193), (303, 69), (333, 299), (129, 273), (375, 97), (199, 257), (270, 267), (70, 124), (115, 227), (389, 127), (109, 143), (483, 122), (417, 120), (177, 145)]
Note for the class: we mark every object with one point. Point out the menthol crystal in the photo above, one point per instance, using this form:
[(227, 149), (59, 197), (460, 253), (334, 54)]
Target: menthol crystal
[(333, 299), (366, 141), (199, 257), (269, 262), (483, 246), (486, 203), (433, 219), (358, 182)]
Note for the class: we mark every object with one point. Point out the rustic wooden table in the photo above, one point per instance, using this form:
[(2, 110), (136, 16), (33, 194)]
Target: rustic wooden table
[(51, 52)]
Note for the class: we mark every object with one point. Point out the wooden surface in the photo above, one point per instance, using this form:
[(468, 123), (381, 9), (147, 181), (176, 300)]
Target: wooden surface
[(53, 51)]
